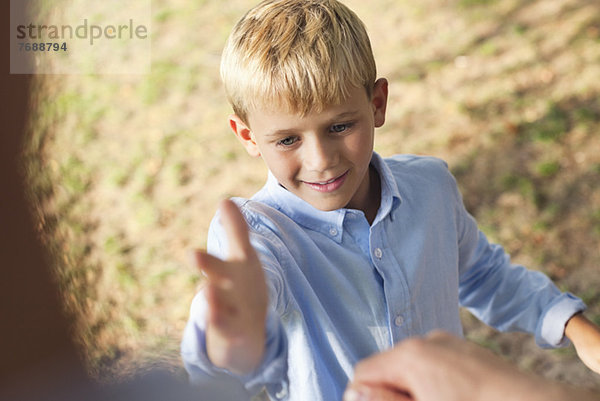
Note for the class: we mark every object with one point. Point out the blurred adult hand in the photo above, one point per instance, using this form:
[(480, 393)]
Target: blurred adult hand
[(441, 367)]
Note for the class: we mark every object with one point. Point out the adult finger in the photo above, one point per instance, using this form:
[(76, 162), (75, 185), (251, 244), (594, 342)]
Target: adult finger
[(443, 338), (381, 368), (236, 230), (366, 393)]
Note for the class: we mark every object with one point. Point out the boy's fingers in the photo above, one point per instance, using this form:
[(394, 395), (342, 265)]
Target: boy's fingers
[(237, 231), (217, 270)]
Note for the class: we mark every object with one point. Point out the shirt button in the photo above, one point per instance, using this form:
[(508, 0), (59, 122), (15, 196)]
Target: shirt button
[(378, 253), (399, 321), (281, 394), (333, 232)]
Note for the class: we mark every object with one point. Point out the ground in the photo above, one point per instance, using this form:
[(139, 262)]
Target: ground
[(126, 171)]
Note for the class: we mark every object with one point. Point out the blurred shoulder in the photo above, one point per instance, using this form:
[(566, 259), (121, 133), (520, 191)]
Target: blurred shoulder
[(259, 216), (408, 162), (414, 169)]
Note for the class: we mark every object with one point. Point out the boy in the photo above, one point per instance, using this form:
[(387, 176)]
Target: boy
[(347, 253)]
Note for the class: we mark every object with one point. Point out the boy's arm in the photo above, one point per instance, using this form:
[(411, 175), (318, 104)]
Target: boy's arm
[(585, 336), (237, 298)]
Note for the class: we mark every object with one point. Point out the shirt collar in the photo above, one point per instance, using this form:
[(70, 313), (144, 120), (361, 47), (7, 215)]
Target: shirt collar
[(331, 223), (390, 194)]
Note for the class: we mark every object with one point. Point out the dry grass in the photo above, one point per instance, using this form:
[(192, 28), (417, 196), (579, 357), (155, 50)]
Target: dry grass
[(126, 171)]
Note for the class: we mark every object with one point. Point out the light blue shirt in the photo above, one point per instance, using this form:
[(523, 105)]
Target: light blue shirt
[(341, 289)]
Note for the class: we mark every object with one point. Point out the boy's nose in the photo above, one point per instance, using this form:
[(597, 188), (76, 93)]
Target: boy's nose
[(321, 156)]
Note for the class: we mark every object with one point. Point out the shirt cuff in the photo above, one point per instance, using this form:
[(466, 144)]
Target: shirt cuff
[(550, 332), (271, 373)]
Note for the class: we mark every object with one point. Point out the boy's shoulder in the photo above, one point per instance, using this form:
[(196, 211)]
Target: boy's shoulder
[(265, 224), (409, 168), (425, 175), (256, 211), (264, 218), (412, 162)]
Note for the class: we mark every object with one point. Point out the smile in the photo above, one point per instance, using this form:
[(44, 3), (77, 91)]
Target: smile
[(328, 186)]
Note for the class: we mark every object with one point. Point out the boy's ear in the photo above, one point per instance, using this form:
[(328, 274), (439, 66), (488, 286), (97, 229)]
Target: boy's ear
[(244, 134), (379, 101)]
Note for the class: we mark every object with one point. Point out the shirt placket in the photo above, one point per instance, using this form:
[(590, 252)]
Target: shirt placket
[(395, 287)]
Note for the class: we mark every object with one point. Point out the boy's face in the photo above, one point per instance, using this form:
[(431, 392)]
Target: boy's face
[(322, 157)]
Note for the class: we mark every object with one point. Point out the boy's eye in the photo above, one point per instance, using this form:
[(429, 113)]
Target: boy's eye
[(289, 141), (337, 128)]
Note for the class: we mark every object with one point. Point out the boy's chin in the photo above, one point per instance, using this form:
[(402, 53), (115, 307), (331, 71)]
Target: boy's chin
[(327, 206), (323, 202)]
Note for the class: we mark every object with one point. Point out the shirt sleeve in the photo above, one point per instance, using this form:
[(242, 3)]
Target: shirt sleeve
[(204, 374), (508, 296), (272, 372)]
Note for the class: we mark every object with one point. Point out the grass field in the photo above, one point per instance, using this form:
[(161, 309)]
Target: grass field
[(126, 170)]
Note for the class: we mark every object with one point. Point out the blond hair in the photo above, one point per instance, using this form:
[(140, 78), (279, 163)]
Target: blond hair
[(302, 55)]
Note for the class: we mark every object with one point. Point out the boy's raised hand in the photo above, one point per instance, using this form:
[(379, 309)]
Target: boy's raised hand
[(237, 298)]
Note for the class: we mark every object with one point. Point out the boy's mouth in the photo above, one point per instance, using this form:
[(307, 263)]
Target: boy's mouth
[(330, 185)]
